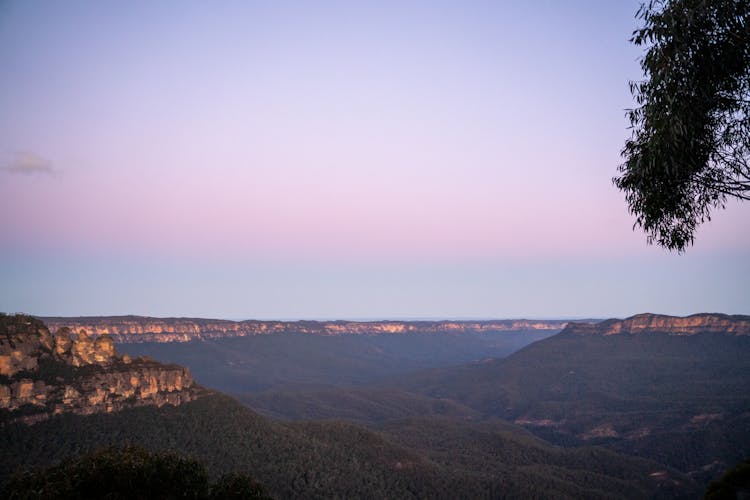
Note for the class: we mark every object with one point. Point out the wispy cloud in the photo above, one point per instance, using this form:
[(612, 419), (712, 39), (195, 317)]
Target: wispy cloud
[(29, 163)]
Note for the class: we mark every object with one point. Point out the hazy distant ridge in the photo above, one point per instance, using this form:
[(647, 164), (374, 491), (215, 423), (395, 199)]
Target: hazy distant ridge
[(128, 329), (671, 325)]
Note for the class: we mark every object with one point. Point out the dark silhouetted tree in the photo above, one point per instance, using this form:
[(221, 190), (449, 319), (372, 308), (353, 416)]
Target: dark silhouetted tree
[(689, 151), (735, 483), (237, 487), (129, 474)]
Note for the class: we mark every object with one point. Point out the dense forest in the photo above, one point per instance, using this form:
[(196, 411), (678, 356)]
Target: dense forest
[(414, 458), (680, 400), (130, 473), (579, 414)]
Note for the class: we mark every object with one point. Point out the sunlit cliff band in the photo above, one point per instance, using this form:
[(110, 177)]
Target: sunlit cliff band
[(127, 329)]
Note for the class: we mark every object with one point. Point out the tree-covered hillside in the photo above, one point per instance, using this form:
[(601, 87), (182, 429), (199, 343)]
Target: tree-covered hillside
[(411, 459), (681, 400)]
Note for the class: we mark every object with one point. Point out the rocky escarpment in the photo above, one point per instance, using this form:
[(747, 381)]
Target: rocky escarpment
[(43, 374), (670, 325), (126, 329)]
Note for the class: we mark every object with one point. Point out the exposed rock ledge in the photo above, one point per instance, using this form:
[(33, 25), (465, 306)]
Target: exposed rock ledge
[(126, 329), (671, 325), (43, 374)]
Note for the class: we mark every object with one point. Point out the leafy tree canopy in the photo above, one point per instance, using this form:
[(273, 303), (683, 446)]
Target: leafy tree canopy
[(129, 473), (690, 145), (735, 483)]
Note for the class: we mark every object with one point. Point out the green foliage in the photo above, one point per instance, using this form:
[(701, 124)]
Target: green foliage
[(129, 473), (732, 485), (116, 474), (683, 401), (365, 405), (630, 382), (690, 144), (14, 325), (237, 487), (415, 458)]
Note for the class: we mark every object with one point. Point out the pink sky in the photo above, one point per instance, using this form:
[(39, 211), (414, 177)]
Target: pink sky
[(377, 136)]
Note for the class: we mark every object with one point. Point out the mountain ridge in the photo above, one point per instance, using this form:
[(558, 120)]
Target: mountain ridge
[(453, 459), (42, 374), (338, 459), (670, 389), (134, 329), (737, 325)]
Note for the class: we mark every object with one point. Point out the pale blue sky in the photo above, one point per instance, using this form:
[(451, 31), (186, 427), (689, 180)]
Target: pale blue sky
[(332, 159)]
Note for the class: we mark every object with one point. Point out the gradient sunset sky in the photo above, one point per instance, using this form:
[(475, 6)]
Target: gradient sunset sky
[(357, 160)]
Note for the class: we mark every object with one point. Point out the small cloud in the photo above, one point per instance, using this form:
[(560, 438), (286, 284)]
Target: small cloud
[(28, 163)]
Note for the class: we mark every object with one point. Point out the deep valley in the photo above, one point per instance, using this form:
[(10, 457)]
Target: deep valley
[(650, 407)]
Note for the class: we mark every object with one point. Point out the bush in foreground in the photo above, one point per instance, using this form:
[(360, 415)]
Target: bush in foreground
[(129, 473)]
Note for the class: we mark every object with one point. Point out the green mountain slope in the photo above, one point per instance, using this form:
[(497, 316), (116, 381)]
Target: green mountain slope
[(681, 399), (411, 459), (365, 405)]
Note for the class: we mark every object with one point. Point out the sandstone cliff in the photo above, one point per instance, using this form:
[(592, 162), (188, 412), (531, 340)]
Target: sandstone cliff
[(670, 325), (43, 374), (125, 329)]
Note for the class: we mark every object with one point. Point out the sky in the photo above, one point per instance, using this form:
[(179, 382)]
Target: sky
[(358, 160)]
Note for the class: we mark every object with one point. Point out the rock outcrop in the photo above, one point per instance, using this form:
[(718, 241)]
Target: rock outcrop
[(126, 329), (642, 324), (43, 374)]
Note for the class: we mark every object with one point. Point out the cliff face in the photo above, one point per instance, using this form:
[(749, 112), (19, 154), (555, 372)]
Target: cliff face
[(43, 374), (126, 329), (670, 325)]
